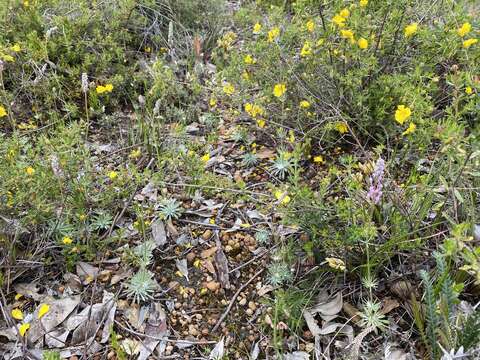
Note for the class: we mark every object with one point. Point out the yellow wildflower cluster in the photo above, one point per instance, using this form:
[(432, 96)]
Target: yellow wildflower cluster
[(340, 18), (227, 41), (254, 110), (228, 89), (249, 60), (17, 314), (310, 25), (273, 34), (306, 49), (257, 28), (101, 89)]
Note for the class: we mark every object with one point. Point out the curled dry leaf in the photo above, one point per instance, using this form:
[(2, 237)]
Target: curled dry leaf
[(221, 263), (328, 307), (218, 350)]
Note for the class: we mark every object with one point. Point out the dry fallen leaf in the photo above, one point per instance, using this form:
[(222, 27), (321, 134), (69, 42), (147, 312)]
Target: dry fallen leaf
[(328, 307), (158, 233)]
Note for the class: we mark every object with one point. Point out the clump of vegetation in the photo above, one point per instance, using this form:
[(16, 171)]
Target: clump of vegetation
[(187, 143)]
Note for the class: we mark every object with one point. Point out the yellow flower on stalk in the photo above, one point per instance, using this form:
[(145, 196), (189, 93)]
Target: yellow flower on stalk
[(402, 114), (304, 104), (363, 3), (310, 25), (205, 157), (410, 30), (464, 29), (261, 123), (468, 90), (17, 314), (348, 34), (279, 90), (341, 127), (249, 60), (335, 263), (257, 28), (228, 88), (253, 110), (67, 240), (282, 197), (362, 43), (42, 310), (273, 34), (213, 102), (411, 128), (306, 49), (469, 42), (30, 171), (318, 159), (112, 175), (345, 13), (23, 328), (16, 48), (339, 20), (3, 112)]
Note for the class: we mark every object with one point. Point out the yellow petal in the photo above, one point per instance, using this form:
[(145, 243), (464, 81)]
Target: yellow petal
[(42, 310), (23, 328), (17, 314)]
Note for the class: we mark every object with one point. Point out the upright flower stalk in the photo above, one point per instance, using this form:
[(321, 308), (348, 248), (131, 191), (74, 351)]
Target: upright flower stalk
[(376, 182)]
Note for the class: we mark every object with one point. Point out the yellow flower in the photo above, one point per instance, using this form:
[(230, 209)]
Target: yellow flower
[(335, 263), (42, 310), (282, 197), (411, 128), (320, 42), (318, 159), (135, 154), (279, 90), (17, 314), (345, 13), (253, 110), (348, 34), (104, 89), (363, 3), (245, 75), (469, 42), (402, 114), (30, 171), (16, 48), (23, 329), (310, 25), (18, 296), (306, 49), (67, 240), (228, 88), (206, 157), (410, 29), (257, 28), (273, 34), (304, 104), (213, 102), (468, 90), (3, 112), (8, 58), (26, 3), (341, 127), (362, 43), (261, 123), (339, 20), (464, 29), (249, 60), (112, 175), (148, 49)]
